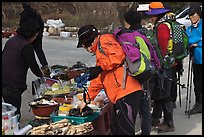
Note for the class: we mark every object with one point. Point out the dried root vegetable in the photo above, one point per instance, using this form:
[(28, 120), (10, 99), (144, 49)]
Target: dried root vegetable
[(62, 128)]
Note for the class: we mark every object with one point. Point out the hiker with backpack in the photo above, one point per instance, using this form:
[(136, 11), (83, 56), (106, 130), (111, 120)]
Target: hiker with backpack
[(194, 33), (161, 90), (177, 68), (108, 75), (133, 22)]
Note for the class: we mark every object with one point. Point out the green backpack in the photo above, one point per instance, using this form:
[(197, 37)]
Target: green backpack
[(151, 36), (179, 47), (180, 41)]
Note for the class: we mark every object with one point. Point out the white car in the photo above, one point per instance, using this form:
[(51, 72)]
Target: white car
[(183, 17)]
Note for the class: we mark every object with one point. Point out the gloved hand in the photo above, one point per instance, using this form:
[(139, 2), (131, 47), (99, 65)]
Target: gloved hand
[(179, 68), (94, 72), (82, 80), (46, 71)]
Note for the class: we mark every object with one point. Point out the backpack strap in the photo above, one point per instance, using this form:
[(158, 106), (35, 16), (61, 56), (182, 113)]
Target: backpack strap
[(125, 64), (100, 48), (124, 75)]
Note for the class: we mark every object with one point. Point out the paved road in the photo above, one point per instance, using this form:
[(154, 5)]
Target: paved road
[(64, 52)]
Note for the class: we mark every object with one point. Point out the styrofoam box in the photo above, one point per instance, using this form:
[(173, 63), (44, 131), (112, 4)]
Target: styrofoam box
[(64, 34)]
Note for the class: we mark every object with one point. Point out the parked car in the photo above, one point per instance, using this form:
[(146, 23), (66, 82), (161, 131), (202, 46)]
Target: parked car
[(182, 16)]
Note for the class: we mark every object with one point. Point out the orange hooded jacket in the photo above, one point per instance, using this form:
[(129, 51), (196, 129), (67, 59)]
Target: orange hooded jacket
[(112, 76)]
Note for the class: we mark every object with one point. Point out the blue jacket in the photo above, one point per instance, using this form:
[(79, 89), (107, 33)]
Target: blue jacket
[(195, 36)]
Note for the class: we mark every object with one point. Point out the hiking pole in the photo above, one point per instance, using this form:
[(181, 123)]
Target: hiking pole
[(179, 88), (189, 65), (189, 104), (180, 85)]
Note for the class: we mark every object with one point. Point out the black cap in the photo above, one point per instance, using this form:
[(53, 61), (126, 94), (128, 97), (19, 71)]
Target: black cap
[(86, 35), (133, 17), (195, 8)]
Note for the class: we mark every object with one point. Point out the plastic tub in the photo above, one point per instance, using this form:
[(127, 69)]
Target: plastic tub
[(8, 110), (76, 120)]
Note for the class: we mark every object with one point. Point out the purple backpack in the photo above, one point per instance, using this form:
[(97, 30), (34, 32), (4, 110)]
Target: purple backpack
[(141, 59), (132, 52)]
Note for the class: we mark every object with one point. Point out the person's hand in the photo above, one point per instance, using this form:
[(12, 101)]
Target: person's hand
[(191, 49), (94, 72), (46, 71), (193, 45), (81, 106)]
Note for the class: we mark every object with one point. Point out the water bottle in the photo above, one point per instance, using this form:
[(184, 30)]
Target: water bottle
[(7, 125), (15, 123)]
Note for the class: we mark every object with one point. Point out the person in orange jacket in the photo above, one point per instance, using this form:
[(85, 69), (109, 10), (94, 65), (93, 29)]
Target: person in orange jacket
[(108, 75)]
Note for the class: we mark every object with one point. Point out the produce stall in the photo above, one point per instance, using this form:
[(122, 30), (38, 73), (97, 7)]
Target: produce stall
[(57, 106)]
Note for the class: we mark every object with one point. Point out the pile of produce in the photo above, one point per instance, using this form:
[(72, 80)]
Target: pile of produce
[(66, 73), (62, 127), (42, 101)]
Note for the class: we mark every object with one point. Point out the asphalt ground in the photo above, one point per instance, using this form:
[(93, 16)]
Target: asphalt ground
[(63, 51)]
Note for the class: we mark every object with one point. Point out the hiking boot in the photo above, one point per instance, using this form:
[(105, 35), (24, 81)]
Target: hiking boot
[(174, 104), (161, 128), (196, 109), (155, 122)]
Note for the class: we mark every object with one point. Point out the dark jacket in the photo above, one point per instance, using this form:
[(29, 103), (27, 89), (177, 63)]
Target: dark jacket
[(30, 14), (17, 57)]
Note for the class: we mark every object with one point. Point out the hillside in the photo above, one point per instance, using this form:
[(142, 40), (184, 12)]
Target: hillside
[(100, 14), (71, 13)]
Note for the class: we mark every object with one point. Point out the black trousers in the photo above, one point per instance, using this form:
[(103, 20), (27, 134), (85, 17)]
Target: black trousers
[(145, 114), (13, 97), (197, 80), (163, 102), (124, 114), (145, 108)]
